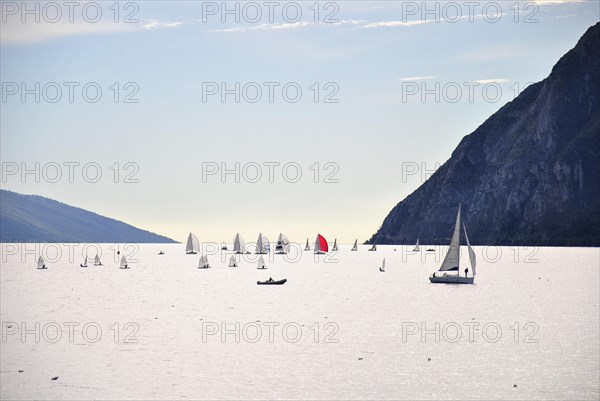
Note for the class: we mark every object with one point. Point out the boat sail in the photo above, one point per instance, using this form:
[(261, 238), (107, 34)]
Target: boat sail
[(84, 264), (97, 261), (261, 263), (373, 248), (452, 260), (321, 245), (239, 246), (355, 247), (41, 263), (417, 247), (382, 268), (232, 261), (307, 247), (335, 247), (263, 246), (283, 245), (193, 245), (203, 264), (123, 263)]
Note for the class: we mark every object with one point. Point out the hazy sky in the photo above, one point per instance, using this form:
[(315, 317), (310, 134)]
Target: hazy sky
[(361, 69)]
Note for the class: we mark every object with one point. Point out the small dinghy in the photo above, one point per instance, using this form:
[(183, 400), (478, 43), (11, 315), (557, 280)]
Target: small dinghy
[(232, 261), (97, 261), (373, 248), (382, 268), (417, 247), (193, 245), (261, 263), (161, 253), (203, 262), (124, 263), (270, 281), (335, 246), (355, 247), (84, 264), (430, 250), (41, 263), (224, 247), (307, 247)]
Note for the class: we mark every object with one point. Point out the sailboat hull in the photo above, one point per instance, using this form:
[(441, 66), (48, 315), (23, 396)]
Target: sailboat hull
[(191, 253), (451, 280)]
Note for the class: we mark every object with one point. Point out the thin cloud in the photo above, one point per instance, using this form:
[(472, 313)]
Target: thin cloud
[(286, 26), (490, 81), (423, 78), (393, 24), (154, 24)]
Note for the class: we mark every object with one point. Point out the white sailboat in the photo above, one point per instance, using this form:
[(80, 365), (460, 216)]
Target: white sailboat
[(41, 264), (261, 263), (307, 247), (283, 245), (232, 261), (203, 264), (373, 248), (223, 246), (193, 245), (355, 247), (263, 246), (239, 246), (451, 262), (417, 247), (84, 264), (382, 268), (321, 245), (335, 247), (97, 261), (123, 263)]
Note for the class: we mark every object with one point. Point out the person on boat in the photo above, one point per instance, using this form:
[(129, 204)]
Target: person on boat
[(270, 279), (433, 274), (466, 271)]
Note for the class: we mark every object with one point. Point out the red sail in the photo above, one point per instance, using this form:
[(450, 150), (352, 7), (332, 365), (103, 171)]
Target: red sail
[(323, 243)]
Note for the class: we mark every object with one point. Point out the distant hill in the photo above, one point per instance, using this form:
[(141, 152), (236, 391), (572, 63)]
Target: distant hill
[(529, 175), (32, 218)]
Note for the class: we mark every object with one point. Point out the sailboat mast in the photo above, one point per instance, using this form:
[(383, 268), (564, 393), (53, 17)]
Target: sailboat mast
[(459, 225)]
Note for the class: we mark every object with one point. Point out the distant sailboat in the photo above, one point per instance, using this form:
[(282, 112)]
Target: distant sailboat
[(373, 248), (41, 263), (261, 263), (321, 245), (355, 247), (417, 248), (97, 261), (232, 261), (382, 268), (223, 246), (239, 246), (123, 263), (452, 260), (263, 246), (307, 247), (84, 264), (283, 245), (203, 264), (193, 245), (335, 247)]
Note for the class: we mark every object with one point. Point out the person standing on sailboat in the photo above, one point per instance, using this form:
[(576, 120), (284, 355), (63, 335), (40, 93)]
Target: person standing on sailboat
[(466, 271)]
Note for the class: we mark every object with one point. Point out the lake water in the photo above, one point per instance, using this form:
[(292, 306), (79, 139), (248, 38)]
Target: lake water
[(338, 329)]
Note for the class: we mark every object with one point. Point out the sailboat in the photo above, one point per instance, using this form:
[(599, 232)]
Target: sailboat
[(41, 263), (452, 260), (193, 245), (123, 263), (84, 264), (261, 263), (373, 248), (239, 246), (232, 261), (97, 261), (307, 247), (417, 247), (355, 247), (223, 246), (283, 245), (203, 264), (263, 246), (382, 268), (335, 247), (321, 245)]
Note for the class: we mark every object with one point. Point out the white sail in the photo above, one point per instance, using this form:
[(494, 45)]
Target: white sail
[(317, 245), (232, 262), (373, 248), (335, 247), (472, 257), (239, 246), (307, 247), (193, 245), (383, 264), (451, 261), (97, 260), (417, 247), (283, 244), (41, 263), (261, 262), (355, 247), (123, 262), (84, 264), (262, 244)]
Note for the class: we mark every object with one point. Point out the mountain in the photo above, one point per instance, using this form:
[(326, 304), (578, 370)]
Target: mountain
[(31, 218), (529, 175)]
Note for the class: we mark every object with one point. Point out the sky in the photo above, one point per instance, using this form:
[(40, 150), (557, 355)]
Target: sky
[(294, 117)]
